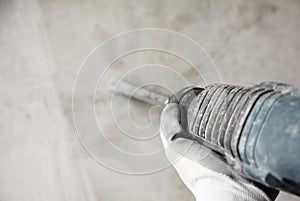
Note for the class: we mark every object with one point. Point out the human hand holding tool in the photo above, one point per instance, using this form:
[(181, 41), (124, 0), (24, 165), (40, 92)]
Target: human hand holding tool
[(203, 171)]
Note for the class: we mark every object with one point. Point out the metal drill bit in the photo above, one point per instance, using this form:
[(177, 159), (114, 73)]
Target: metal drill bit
[(130, 90)]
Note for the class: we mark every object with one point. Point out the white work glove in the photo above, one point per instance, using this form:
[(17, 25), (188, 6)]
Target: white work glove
[(202, 170)]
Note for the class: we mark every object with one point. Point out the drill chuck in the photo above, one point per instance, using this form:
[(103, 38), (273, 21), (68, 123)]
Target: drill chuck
[(256, 128)]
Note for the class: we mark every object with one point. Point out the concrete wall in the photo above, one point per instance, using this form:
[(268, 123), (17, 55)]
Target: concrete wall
[(43, 43)]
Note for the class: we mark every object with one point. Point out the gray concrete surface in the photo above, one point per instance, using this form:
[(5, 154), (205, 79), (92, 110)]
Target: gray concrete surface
[(43, 43)]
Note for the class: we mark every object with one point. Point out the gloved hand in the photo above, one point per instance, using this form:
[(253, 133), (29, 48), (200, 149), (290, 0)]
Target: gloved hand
[(203, 171)]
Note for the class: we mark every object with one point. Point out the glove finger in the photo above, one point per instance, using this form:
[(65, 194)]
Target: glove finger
[(169, 123)]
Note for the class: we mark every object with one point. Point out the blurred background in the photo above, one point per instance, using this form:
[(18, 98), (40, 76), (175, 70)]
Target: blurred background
[(42, 45)]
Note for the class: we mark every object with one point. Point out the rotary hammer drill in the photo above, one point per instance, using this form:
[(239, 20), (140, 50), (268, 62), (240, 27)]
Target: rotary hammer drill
[(255, 129)]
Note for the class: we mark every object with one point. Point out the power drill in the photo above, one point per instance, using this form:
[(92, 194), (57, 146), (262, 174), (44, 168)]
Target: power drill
[(255, 129)]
